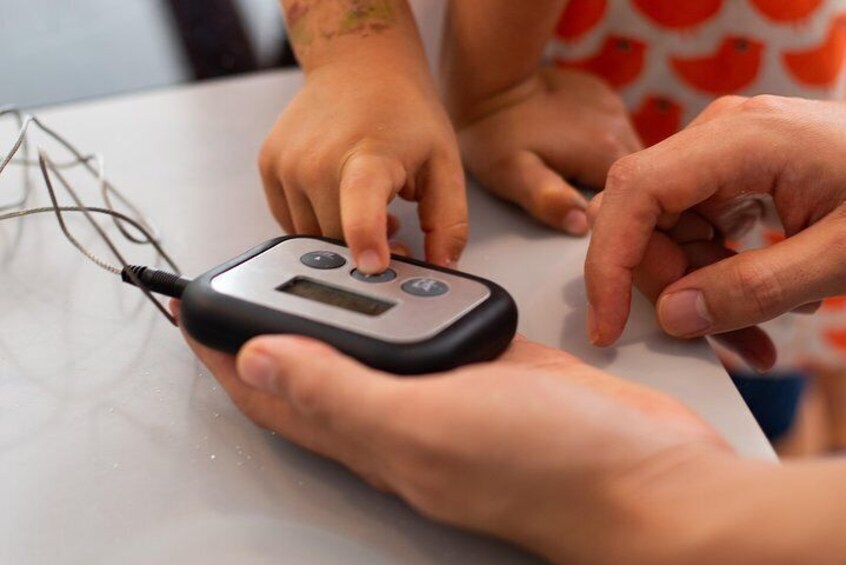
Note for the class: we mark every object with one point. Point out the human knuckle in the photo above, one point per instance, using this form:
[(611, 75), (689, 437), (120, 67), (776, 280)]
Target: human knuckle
[(542, 198), (285, 167), (760, 286), (457, 231), (623, 174), (363, 160), (394, 166), (310, 170), (460, 232), (356, 151), (307, 395), (611, 143), (725, 102), (266, 157), (612, 104), (762, 103)]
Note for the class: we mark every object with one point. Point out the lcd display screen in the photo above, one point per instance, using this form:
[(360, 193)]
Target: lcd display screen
[(333, 296)]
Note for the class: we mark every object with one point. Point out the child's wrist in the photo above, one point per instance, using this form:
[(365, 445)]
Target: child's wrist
[(466, 108), (393, 71)]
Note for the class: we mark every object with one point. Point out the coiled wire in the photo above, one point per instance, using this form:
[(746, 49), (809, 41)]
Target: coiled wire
[(132, 224)]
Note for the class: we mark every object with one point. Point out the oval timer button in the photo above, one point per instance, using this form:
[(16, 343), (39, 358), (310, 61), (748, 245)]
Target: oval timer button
[(323, 260), (425, 287), (384, 276)]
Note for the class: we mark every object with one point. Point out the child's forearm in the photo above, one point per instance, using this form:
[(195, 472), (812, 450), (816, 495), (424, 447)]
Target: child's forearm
[(355, 34), (491, 46)]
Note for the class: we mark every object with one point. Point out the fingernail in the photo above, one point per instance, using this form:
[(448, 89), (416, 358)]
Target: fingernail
[(684, 313), (593, 326), (576, 222), (259, 370), (369, 262)]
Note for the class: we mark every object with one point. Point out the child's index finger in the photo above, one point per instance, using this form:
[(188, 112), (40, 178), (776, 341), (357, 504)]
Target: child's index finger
[(367, 185)]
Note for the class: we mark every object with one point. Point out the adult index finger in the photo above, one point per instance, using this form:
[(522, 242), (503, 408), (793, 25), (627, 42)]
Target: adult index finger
[(669, 178)]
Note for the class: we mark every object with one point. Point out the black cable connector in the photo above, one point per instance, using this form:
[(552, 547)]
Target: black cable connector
[(160, 282)]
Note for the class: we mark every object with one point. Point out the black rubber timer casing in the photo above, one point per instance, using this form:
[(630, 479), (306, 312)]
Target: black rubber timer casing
[(225, 323)]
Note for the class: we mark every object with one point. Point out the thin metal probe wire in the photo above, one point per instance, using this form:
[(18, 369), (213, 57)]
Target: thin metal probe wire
[(94, 164), (45, 160), (95, 210), (58, 165), (106, 187), (149, 234), (44, 164), (51, 209), (21, 140), (26, 191)]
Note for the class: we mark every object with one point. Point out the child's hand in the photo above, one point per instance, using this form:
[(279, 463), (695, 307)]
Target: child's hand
[(348, 143), (527, 144)]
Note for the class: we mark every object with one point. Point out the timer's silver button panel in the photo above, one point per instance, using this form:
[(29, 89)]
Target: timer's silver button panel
[(415, 315)]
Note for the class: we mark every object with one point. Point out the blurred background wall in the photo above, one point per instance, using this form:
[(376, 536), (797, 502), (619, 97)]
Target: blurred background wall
[(65, 50)]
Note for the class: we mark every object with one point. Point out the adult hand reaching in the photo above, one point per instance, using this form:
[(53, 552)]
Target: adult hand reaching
[(715, 173)]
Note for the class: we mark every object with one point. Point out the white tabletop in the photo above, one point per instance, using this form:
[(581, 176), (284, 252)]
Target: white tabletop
[(116, 446)]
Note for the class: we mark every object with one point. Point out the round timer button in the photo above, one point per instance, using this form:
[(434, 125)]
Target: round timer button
[(384, 276), (323, 260), (425, 287)]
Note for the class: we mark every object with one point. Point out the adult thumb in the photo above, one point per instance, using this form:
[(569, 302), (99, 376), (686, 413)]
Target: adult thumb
[(756, 286)]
